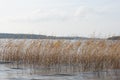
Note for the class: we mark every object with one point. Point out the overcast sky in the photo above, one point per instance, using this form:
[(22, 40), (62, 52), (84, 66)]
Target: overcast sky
[(60, 17)]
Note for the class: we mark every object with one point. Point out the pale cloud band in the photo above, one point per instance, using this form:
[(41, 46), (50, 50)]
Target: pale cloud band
[(55, 14)]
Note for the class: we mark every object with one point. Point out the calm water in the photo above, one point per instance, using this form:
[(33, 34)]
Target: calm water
[(11, 72)]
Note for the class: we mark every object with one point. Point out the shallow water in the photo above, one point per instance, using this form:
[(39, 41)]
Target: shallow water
[(12, 72)]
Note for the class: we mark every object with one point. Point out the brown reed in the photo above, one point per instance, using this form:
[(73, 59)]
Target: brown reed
[(87, 55)]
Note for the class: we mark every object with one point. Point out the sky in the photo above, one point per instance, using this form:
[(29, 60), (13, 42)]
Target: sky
[(61, 17)]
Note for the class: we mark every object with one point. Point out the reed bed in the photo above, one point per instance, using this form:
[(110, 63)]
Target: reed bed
[(86, 55)]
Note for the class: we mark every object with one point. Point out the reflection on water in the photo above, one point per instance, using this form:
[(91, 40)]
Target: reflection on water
[(14, 72)]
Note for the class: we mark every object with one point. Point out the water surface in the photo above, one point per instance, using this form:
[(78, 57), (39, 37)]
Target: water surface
[(14, 72)]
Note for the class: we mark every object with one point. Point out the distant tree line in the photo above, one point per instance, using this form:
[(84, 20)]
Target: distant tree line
[(33, 36)]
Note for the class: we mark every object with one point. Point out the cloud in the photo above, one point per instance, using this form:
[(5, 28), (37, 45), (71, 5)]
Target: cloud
[(79, 13), (40, 15), (53, 14), (82, 11)]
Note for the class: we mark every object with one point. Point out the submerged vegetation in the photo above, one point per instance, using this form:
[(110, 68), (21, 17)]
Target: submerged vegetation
[(83, 55)]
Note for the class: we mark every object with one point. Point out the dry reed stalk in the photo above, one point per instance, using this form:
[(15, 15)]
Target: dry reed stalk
[(90, 55)]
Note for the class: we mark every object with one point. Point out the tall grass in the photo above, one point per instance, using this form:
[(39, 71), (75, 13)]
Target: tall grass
[(86, 55)]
